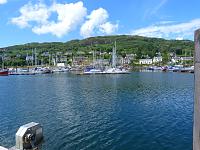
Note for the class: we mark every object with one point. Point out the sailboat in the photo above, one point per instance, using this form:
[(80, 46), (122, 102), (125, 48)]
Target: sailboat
[(111, 70), (93, 69), (40, 70), (114, 69), (3, 72)]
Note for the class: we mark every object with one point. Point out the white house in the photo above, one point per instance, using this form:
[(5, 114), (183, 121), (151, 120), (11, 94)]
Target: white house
[(29, 58), (129, 58), (145, 61), (157, 59), (187, 58), (175, 59), (60, 64)]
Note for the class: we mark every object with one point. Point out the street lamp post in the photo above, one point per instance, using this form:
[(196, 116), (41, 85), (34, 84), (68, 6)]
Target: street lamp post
[(196, 124)]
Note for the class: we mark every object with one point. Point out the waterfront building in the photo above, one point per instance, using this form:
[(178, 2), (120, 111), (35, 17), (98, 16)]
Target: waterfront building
[(187, 58), (157, 59), (129, 58), (60, 64), (63, 59), (45, 54), (80, 53), (145, 61), (175, 59), (29, 58), (18, 56), (68, 53), (80, 60)]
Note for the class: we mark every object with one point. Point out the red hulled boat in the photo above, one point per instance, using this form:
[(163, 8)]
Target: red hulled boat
[(3, 72)]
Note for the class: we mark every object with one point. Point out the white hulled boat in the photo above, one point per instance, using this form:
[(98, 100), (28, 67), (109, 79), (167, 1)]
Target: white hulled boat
[(114, 69)]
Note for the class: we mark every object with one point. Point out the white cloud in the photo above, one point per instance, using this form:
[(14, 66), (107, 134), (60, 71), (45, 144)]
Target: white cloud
[(97, 23), (165, 22), (3, 1), (108, 28), (42, 20), (69, 16), (38, 13), (38, 17), (181, 30), (158, 7)]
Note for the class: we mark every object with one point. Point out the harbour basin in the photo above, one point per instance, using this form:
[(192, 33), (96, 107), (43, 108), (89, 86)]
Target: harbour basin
[(139, 111)]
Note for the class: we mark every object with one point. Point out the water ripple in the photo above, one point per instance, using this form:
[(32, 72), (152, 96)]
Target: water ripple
[(138, 111)]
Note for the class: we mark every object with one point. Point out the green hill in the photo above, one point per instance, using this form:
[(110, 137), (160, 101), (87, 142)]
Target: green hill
[(126, 44)]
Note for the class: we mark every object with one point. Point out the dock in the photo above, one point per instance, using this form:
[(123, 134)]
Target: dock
[(21, 73)]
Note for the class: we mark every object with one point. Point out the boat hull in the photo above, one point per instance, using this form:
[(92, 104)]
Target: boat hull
[(4, 73)]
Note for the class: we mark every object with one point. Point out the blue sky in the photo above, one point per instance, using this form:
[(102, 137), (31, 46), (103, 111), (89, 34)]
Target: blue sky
[(24, 21)]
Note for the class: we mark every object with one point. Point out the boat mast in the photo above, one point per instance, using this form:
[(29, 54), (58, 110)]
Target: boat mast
[(27, 59), (185, 57), (101, 60), (49, 59), (94, 58), (2, 61), (35, 58), (32, 58), (114, 56)]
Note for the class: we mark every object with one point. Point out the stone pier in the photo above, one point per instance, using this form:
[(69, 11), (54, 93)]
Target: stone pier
[(196, 124)]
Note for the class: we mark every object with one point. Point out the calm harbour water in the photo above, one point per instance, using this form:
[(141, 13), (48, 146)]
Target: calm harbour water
[(138, 111)]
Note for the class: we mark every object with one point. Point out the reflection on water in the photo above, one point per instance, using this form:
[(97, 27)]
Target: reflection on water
[(137, 111)]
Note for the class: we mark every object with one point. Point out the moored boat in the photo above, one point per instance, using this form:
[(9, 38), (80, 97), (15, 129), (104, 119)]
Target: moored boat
[(61, 69), (116, 71), (187, 69), (41, 70), (93, 71), (3, 72)]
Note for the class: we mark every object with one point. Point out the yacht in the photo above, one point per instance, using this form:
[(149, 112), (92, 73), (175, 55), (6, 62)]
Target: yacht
[(41, 70), (114, 69), (93, 71)]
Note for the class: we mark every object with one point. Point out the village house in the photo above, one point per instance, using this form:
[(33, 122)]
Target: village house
[(129, 58), (29, 58), (145, 61), (45, 54), (175, 59), (79, 60), (157, 59), (187, 58)]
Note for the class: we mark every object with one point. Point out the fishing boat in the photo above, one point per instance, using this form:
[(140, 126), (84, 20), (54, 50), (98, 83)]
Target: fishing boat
[(3, 72)]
